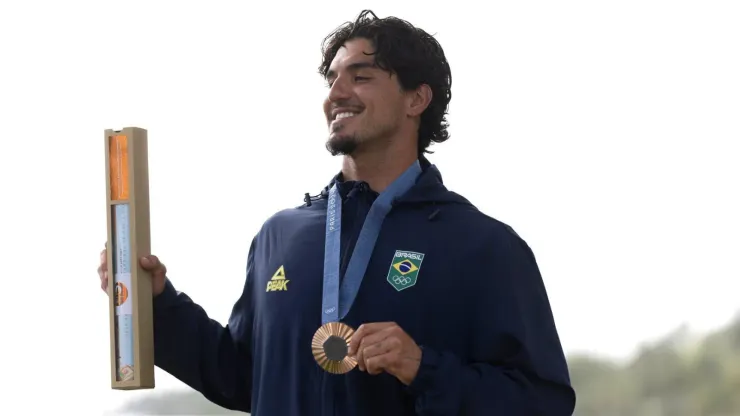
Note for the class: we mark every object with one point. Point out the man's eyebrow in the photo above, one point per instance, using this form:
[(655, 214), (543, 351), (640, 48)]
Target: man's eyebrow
[(352, 67)]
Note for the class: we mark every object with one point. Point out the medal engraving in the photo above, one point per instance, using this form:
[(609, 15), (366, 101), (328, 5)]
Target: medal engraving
[(335, 348)]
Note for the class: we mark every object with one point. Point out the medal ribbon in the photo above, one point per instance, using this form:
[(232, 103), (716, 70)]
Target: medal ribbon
[(337, 301)]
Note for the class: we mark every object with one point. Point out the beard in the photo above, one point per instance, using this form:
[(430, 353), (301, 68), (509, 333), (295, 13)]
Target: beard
[(341, 144), (348, 144)]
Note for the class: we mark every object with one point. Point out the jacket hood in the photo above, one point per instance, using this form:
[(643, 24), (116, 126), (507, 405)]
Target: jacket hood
[(429, 188)]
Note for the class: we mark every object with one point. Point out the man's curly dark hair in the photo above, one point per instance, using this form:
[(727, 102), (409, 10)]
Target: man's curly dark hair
[(409, 52)]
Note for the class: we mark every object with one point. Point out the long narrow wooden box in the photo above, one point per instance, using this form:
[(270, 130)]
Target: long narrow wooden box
[(129, 286)]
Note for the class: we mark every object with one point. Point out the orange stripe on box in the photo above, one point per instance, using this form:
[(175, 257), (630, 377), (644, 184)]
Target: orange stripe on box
[(119, 180)]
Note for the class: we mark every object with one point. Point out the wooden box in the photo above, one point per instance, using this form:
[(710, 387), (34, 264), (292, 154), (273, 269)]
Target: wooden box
[(129, 286)]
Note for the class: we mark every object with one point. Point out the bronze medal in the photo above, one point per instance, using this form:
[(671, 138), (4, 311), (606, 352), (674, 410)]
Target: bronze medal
[(330, 346)]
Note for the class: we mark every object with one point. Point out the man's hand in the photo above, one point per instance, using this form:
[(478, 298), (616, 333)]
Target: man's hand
[(149, 263), (386, 347)]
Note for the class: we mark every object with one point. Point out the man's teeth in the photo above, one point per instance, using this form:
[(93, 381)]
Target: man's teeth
[(343, 115)]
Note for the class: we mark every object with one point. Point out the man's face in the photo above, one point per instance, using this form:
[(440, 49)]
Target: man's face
[(365, 104)]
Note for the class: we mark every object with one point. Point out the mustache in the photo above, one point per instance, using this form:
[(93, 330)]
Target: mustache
[(346, 105)]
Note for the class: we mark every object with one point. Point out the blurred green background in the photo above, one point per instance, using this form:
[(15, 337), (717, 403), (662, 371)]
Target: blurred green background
[(678, 375)]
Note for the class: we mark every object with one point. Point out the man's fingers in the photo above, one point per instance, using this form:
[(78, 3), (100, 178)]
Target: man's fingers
[(381, 347), (152, 264), (149, 262), (379, 363), (103, 270), (104, 281), (357, 353), (365, 330), (369, 352), (103, 262), (365, 335), (369, 340), (374, 338)]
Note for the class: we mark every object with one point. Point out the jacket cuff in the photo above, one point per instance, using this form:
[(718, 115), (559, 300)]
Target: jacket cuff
[(167, 297), (427, 374)]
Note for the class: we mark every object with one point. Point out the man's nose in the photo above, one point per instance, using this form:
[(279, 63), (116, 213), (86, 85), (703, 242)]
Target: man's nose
[(339, 90)]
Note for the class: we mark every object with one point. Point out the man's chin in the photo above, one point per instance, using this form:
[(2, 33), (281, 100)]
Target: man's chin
[(340, 144)]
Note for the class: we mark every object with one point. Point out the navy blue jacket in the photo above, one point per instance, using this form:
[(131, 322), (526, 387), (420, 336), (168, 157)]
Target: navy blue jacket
[(478, 309)]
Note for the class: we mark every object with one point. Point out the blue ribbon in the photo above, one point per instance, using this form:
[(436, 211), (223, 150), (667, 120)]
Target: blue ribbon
[(337, 301)]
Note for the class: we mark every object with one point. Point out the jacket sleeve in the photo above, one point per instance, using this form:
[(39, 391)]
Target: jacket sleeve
[(516, 365), (210, 358)]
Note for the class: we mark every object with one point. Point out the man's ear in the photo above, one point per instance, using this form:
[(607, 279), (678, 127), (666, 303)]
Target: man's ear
[(420, 99)]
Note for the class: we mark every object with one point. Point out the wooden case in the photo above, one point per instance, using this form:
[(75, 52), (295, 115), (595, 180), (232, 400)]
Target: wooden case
[(129, 286)]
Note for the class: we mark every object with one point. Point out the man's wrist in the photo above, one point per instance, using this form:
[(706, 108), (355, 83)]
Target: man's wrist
[(427, 368), (167, 295)]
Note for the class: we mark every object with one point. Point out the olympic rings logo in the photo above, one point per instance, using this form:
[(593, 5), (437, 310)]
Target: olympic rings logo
[(401, 280)]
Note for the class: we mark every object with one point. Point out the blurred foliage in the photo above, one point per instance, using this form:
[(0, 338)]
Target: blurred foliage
[(675, 376)]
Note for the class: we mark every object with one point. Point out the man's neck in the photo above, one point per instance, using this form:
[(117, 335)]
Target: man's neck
[(378, 167)]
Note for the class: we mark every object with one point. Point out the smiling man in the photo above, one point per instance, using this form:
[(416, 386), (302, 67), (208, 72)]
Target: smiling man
[(385, 294)]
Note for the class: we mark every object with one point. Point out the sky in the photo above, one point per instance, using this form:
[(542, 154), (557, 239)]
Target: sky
[(605, 134)]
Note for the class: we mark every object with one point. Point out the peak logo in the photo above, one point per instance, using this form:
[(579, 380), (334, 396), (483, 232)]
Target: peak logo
[(278, 282)]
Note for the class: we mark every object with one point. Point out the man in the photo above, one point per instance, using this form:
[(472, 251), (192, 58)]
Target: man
[(450, 312)]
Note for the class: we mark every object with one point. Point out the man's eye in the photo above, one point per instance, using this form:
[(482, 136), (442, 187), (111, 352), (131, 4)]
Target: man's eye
[(329, 84)]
